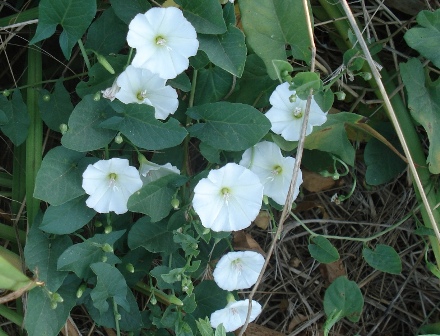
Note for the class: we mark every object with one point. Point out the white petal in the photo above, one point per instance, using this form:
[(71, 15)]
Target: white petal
[(238, 270), (164, 101), (234, 315)]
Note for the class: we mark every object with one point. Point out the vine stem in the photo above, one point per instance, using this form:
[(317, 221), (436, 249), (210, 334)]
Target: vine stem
[(391, 113), (288, 205)]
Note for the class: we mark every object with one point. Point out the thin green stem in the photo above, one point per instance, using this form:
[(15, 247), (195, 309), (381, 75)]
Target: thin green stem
[(84, 54), (34, 140), (11, 315), (117, 317), (9, 233)]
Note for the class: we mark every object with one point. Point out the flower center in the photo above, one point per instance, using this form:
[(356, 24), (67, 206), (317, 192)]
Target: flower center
[(141, 95), (160, 41), (112, 177), (226, 194), (238, 266), (274, 172), (297, 112)]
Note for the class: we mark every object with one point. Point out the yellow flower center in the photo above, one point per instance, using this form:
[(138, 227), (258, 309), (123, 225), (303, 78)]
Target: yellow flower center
[(141, 95), (160, 41), (297, 112), (226, 193), (113, 177)]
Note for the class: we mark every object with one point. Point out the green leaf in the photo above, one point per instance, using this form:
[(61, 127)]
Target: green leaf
[(57, 109), (209, 298), (181, 82), (228, 51), (228, 126), (100, 78), (282, 69), (424, 104), (271, 24), (60, 176), (220, 330), (255, 86), (153, 236), (3, 118), (212, 85), (384, 258), (426, 39), (199, 61), (126, 10), (344, 297), (324, 99), (322, 250), (332, 137), (79, 257), (154, 199), (41, 255), (205, 15), (107, 34), (382, 163), (68, 217), (84, 133), (204, 326), (40, 319), (110, 283), (11, 276), (141, 127), (209, 153), (304, 81), (73, 15), (229, 14), (15, 110)]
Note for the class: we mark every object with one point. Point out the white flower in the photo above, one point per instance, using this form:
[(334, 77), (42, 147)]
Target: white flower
[(110, 183), (229, 199), (274, 170), (144, 87), (152, 171), (234, 314), (164, 40), (238, 270), (111, 92), (287, 113)]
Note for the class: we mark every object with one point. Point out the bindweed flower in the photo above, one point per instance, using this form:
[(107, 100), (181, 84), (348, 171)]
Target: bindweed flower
[(110, 183), (234, 314), (287, 114), (274, 170), (164, 40), (238, 270), (229, 199), (111, 92), (141, 86), (151, 171)]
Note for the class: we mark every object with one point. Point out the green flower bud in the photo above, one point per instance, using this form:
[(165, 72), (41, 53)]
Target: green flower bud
[(175, 203), (81, 290), (119, 139), (6, 93), (175, 300), (108, 229), (104, 259), (46, 98), (129, 267), (57, 297), (340, 95), (63, 128), (103, 61), (265, 200), (97, 96), (118, 317), (292, 98), (98, 224), (366, 76), (53, 305), (107, 248), (153, 300)]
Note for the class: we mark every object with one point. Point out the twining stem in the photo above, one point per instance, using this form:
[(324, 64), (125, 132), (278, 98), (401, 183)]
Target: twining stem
[(299, 152), (117, 317), (34, 140), (84, 54)]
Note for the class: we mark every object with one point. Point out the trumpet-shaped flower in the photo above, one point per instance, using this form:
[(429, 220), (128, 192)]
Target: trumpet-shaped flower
[(233, 316), (151, 171), (287, 113), (110, 183), (238, 270), (164, 40), (229, 199), (141, 86), (274, 170)]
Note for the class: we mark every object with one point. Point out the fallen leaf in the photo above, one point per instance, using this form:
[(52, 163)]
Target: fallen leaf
[(262, 220), (254, 329), (296, 320), (315, 182), (243, 241), (332, 271)]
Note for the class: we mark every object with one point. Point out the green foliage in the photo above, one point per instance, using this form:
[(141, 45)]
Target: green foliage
[(73, 15), (15, 116), (57, 109), (11, 276), (214, 82), (424, 104), (425, 38), (153, 236), (228, 126), (270, 24), (126, 10), (206, 15), (322, 250), (383, 258)]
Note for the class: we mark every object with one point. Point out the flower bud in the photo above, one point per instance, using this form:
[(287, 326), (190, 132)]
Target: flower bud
[(175, 203), (340, 95), (107, 248), (57, 297), (46, 98), (97, 96), (81, 290), (6, 93), (175, 300), (104, 259), (63, 128), (119, 139), (103, 61), (292, 98), (53, 305), (265, 200), (153, 300), (108, 229), (129, 267), (118, 317), (366, 76), (98, 224)]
